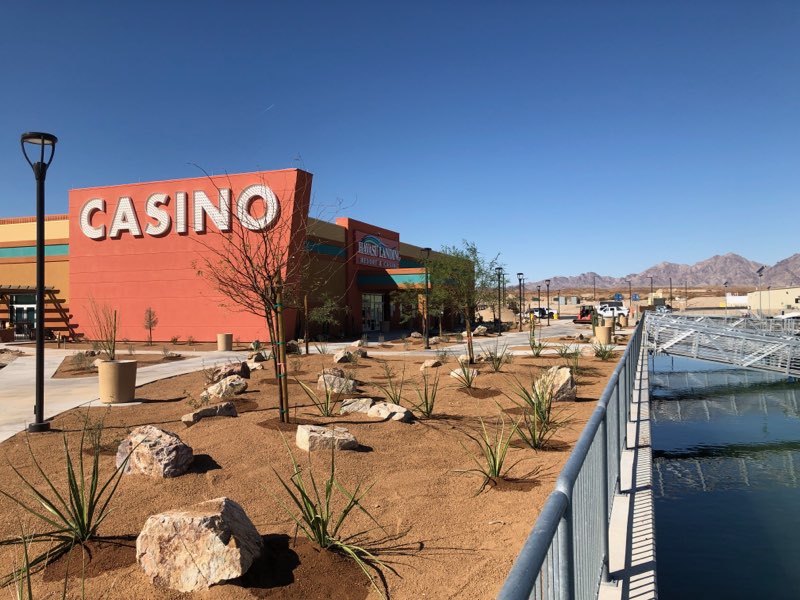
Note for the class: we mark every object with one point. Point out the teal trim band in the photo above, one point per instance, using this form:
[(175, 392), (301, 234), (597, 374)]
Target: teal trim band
[(30, 251), (407, 263), (326, 249), (392, 280)]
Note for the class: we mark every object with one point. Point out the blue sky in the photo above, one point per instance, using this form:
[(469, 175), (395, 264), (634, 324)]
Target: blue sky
[(566, 136)]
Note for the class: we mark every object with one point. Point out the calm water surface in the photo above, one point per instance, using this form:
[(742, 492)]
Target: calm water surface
[(726, 481)]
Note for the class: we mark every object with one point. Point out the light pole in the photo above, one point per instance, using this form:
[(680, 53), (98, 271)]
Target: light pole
[(499, 322), (686, 295), (520, 277), (39, 167), (427, 253), (760, 274), (725, 286), (594, 288), (652, 296), (670, 292), (769, 299), (547, 283), (539, 299), (558, 301), (630, 298)]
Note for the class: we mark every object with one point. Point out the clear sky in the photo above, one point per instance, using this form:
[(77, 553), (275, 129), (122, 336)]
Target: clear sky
[(566, 136)]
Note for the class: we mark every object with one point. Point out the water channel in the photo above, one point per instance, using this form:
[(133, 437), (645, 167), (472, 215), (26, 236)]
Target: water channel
[(726, 481)]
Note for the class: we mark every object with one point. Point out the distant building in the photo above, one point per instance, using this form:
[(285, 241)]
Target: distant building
[(772, 301)]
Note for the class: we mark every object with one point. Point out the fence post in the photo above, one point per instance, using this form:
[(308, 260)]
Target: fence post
[(566, 559), (604, 502)]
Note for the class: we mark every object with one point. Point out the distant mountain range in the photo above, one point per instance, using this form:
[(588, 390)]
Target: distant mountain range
[(715, 271)]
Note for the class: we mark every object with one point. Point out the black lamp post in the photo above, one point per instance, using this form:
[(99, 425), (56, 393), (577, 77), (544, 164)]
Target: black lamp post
[(547, 283), (630, 298), (670, 291), (652, 297), (520, 277), (499, 322), (594, 288), (725, 286), (760, 274), (427, 252), (539, 300), (35, 138)]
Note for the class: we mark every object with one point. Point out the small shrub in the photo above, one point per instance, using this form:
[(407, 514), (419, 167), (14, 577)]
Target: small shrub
[(150, 323), (190, 340), (315, 515), (321, 346), (174, 340), (81, 362), (165, 351), (237, 342), (490, 463), (255, 346), (465, 375), (74, 513), (604, 352), (196, 403), (574, 364), (442, 355), (365, 340), (131, 349), (426, 395), (325, 404), (393, 388), (297, 365), (381, 338), (406, 342), (459, 337)]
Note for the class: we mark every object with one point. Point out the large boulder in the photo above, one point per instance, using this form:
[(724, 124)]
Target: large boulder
[(240, 369), (338, 385), (227, 388), (191, 549), (293, 347), (313, 437), (562, 385), (335, 371), (416, 335), (463, 359), (435, 340), (342, 356), (260, 356), (480, 330), (154, 452), (226, 409)]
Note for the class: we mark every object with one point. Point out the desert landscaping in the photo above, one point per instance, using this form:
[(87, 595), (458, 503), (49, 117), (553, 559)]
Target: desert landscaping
[(432, 524)]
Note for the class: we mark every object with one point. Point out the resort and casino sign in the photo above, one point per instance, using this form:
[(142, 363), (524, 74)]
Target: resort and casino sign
[(162, 209), (375, 251)]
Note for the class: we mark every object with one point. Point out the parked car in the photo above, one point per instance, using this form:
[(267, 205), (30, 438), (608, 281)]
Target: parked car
[(542, 313), (662, 310), (610, 312)]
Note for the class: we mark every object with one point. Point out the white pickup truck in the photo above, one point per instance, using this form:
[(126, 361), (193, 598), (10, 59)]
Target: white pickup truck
[(612, 311)]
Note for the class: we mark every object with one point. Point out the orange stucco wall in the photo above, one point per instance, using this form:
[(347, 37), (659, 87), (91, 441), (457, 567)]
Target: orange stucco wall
[(132, 273)]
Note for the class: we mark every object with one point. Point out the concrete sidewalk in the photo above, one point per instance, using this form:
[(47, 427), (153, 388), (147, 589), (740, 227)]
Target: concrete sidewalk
[(17, 394)]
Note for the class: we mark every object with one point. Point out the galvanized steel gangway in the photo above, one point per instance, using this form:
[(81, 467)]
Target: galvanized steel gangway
[(763, 344)]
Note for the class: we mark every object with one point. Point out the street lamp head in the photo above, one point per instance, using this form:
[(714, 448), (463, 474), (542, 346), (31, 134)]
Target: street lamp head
[(426, 252), (43, 140), (498, 270), (547, 282), (520, 276)]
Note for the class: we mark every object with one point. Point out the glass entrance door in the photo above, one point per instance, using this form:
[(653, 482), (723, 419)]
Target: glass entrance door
[(371, 312)]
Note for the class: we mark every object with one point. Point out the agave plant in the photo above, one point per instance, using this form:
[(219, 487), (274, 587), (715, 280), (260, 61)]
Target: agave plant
[(393, 388), (465, 375), (315, 515), (325, 403), (538, 422), (73, 515), (426, 395), (490, 463)]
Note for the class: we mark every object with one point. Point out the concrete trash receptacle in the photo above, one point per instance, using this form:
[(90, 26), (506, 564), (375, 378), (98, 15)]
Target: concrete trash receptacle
[(623, 321), (117, 379), (224, 342), (603, 335)]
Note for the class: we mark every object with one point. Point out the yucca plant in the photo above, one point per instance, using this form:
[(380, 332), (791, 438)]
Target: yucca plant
[(442, 355), (538, 423), (315, 515), (426, 395), (465, 375), (393, 388), (567, 351), (603, 351), (574, 363), (490, 463), (74, 514), (325, 403), (321, 346)]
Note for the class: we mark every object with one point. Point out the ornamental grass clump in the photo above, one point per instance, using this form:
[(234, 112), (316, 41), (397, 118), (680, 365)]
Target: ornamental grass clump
[(465, 375), (326, 402), (426, 394), (393, 388), (538, 422), (313, 512), (567, 351), (604, 352), (498, 357), (490, 463), (73, 515)]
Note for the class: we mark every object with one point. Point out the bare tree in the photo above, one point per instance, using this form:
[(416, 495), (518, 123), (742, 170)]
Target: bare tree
[(150, 323)]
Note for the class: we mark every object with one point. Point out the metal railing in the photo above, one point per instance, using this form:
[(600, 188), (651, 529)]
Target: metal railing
[(566, 555)]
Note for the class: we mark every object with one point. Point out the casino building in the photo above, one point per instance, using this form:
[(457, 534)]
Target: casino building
[(144, 245)]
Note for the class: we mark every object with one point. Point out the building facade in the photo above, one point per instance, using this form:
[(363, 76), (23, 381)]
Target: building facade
[(152, 245)]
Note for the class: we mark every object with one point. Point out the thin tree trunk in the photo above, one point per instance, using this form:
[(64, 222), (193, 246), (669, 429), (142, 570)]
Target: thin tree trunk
[(305, 320), (470, 351), (283, 382)]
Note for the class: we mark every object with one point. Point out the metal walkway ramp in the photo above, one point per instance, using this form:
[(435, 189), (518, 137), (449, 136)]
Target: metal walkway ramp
[(761, 344)]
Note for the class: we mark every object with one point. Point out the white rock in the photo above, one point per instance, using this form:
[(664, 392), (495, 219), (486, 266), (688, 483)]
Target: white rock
[(96, 363), (416, 335), (435, 340), (154, 452), (430, 364), (390, 411), (189, 550), (342, 356), (335, 371), (459, 373), (357, 344), (562, 384), (228, 387), (480, 330), (356, 405), (339, 385), (313, 437), (464, 358), (226, 409)]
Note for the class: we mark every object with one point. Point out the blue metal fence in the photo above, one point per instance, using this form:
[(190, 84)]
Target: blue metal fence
[(566, 555)]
